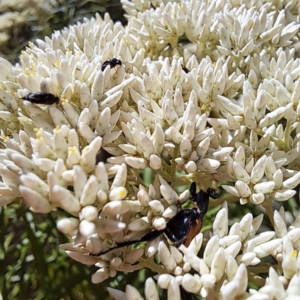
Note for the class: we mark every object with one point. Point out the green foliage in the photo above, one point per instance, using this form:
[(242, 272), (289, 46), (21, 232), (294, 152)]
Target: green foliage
[(39, 23)]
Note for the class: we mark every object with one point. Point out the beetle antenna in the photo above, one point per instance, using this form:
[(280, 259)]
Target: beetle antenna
[(148, 237)]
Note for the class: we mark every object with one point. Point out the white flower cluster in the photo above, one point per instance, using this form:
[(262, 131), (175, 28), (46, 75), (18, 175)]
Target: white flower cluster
[(222, 272), (208, 90)]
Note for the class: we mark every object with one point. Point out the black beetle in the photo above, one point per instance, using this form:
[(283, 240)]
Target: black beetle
[(113, 62), (41, 98)]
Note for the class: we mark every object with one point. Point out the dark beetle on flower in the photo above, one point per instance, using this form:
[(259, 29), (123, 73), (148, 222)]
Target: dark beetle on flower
[(113, 62), (185, 69), (184, 226), (41, 98)]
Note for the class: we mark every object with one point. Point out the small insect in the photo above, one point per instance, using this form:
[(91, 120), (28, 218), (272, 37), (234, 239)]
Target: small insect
[(113, 62), (185, 69), (41, 98), (184, 226)]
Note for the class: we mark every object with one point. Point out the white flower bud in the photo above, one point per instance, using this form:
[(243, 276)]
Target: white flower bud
[(73, 138), (208, 280), (240, 172), (97, 87), (157, 207), (259, 169), (279, 225), (228, 240), (155, 162), (184, 196), (231, 190), (146, 143), (250, 121), (117, 193), (208, 164), (167, 192), (89, 213), (164, 280), (246, 258), (185, 147), (293, 288), (45, 164), (109, 226), (272, 117), (196, 243), (176, 254), (267, 248), (191, 167), (57, 116), (112, 273), (130, 149), (159, 223), (34, 200), (263, 237), (249, 165), (278, 178), (87, 228), (67, 225), (82, 258), (158, 138), (173, 290), (257, 198), (223, 153), (120, 177), (34, 182), (190, 284), (65, 199), (231, 267), (291, 182), (220, 225), (86, 132), (218, 264), (113, 99), (192, 259), (88, 155), (243, 189), (233, 249), (170, 212), (80, 179), (166, 259), (136, 162), (203, 147), (230, 290), (241, 277), (230, 106), (289, 113), (294, 235), (289, 263), (275, 282), (101, 275), (143, 197), (115, 262), (283, 195), (233, 122), (210, 250), (264, 187), (240, 156), (176, 136), (151, 292), (89, 192)]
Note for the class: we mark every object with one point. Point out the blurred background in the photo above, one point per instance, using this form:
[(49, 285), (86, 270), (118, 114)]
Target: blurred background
[(22, 21)]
